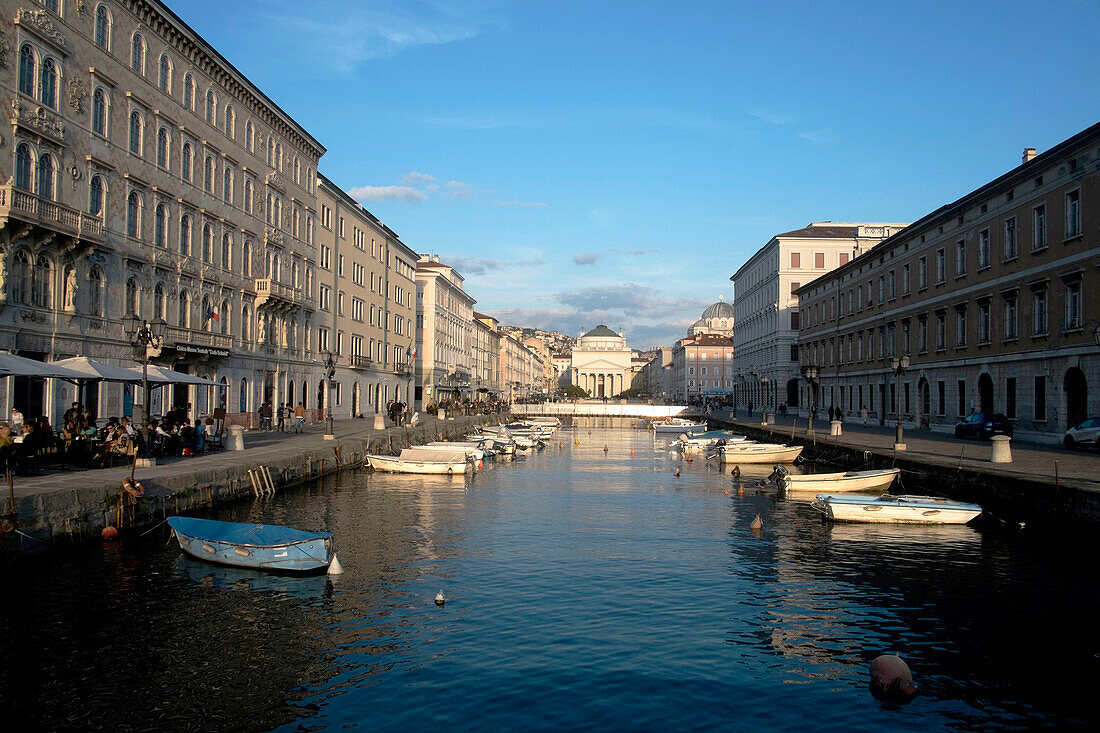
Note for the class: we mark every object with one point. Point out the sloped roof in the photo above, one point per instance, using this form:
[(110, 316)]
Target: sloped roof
[(818, 232), (602, 330)]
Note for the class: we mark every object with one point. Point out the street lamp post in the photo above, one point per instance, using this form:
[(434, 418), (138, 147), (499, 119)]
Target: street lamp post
[(810, 373), (330, 372), (143, 335), (899, 365), (767, 398)]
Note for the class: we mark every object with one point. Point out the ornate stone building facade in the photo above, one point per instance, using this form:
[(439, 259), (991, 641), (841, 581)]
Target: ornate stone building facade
[(992, 297), (145, 175), (602, 363)]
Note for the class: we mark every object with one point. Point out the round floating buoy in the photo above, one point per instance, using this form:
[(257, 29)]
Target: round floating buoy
[(756, 523), (891, 678), (740, 490), (727, 492), (577, 441), (480, 464), (109, 533), (440, 599), (133, 488), (631, 451), (334, 567), (676, 473)]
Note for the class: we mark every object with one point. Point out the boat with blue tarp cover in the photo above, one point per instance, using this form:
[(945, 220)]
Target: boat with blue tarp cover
[(260, 546)]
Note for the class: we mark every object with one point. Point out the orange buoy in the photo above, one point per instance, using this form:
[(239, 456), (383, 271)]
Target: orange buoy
[(631, 451), (109, 533), (740, 490), (727, 492), (676, 473)]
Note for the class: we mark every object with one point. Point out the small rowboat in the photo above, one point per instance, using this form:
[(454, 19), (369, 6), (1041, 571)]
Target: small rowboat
[(259, 546), (888, 509), (413, 461), (877, 480), (758, 453)]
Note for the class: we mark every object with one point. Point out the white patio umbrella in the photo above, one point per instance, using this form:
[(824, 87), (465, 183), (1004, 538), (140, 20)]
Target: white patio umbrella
[(20, 366), (163, 375), (96, 370)]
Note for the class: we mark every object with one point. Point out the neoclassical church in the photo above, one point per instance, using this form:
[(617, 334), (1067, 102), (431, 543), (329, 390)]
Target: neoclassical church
[(601, 363)]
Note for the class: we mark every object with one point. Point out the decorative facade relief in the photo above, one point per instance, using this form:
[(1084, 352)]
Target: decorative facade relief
[(37, 119), (275, 180), (5, 51), (78, 95), (42, 23)]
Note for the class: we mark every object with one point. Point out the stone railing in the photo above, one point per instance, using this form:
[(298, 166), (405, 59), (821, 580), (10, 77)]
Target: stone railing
[(268, 289), (360, 362), (202, 338), (25, 206)]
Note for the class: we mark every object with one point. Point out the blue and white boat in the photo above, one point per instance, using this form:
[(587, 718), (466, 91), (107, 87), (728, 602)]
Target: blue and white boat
[(893, 509), (259, 546)]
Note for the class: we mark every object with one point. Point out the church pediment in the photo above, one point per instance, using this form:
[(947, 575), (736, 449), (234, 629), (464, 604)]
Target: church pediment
[(600, 365)]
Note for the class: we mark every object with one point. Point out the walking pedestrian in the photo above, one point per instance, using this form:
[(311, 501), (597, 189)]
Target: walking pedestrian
[(283, 410), (265, 416), (299, 418), (832, 413), (863, 414)]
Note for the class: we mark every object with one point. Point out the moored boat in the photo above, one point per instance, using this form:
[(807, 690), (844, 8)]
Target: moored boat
[(677, 426), (889, 509), (758, 453), (412, 461), (260, 546), (874, 480)]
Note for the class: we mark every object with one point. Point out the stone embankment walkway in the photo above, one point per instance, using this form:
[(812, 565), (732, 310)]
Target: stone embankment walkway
[(61, 508)]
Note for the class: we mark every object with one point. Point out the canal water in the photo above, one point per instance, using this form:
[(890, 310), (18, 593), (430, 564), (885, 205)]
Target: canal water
[(588, 587)]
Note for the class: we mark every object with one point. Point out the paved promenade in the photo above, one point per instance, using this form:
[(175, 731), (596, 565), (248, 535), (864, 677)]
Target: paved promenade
[(1030, 461)]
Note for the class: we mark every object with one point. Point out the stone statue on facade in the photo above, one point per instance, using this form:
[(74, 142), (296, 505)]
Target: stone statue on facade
[(70, 289)]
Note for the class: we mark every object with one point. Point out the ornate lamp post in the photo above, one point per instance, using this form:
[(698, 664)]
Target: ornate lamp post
[(811, 374), (767, 398), (899, 365), (143, 335), (330, 372)]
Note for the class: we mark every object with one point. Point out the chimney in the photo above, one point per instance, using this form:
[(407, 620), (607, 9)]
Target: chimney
[(435, 258), (1029, 153)]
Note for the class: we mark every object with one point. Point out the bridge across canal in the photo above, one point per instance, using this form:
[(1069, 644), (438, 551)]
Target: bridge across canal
[(602, 409)]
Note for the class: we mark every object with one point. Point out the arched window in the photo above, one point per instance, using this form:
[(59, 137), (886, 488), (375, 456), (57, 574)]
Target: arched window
[(270, 207), (297, 170), (227, 251), (208, 174), (40, 285), (187, 163), (189, 91), (48, 84), (296, 230), (131, 306), (278, 156), (133, 215), (250, 137), (184, 314), (136, 125), (99, 112), (27, 70), (309, 180), (274, 275), (159, 301), (211, 107), (294, 272), (46, 177), (160, 226), (137, 54), (102, 27), (243, 405), (23, 167), (164, 78), (246, 324), (207, 243), (95, 292), (246, 260), (247, 196), (227, 185), (185, 235), (97, 197), (21, 278), (224, 315), (162, 148), (230, 123), (278, 216), (309, 230), (270, 151)]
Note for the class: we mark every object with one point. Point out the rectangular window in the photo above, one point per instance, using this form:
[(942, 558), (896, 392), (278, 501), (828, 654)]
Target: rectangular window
[(983, 249), (983, 323), (796, 260), (859, 296), (1073, 214), (691, 371), (922, 336), (891, 287), (794, 287), (962, 397), (1010, 318), (1040, 399), (905, 279), (324, 296), (703, 371), (325, 256), (1039, 313), (1010, 238), (922, 273), (843, 257), (941, 266), (322, 339), (941, 332), (1039, 228), (1073, 305), (941, 399), (960, 258), (794, 321), (1010, 398), (960, 328), (794, 352), (881, 289), (819, 260)]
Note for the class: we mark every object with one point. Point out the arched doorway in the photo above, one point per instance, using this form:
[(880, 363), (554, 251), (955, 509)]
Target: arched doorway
[(985, 393), (792, 393), (321, 395), (243, 400), (925, 402), (290, 392), (355, 399), (1077, 396), (305, 394)]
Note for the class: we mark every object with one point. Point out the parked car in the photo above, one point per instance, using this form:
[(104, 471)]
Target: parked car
[(983, 425), (1085, 435)]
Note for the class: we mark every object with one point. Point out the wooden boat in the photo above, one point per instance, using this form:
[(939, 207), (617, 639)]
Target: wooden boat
[(259, 546), (876, 480), (677, 425), (758, 453), (889, 509), (412, 461)]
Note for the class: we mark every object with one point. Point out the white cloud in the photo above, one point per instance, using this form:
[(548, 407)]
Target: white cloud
[(380, 193), (460, 189), (523, 204), (587, 258), (416, 177)]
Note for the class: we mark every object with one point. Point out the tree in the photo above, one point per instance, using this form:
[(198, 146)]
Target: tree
[(573, 392)]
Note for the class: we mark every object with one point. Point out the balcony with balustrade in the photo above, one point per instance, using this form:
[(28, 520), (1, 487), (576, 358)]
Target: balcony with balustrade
[(277, 296), (19, 205), (176, 335), (360, 362)]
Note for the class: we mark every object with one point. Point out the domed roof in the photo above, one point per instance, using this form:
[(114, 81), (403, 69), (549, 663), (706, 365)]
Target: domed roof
[(602, 330), (699, 324), (721, 309)]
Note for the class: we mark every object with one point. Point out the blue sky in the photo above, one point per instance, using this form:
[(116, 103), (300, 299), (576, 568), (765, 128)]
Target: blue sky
[(587, 162)]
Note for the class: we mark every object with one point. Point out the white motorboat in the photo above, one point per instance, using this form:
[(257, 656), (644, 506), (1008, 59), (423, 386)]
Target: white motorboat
[(758, 453), (875, 480), (480, 448), (888, 509), (472, 454), (708, 439), (413, 461), (677, 426)]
